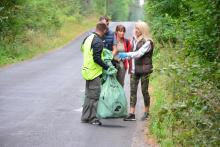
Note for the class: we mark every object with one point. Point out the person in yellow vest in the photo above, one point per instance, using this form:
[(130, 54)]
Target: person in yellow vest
[(92, 70)]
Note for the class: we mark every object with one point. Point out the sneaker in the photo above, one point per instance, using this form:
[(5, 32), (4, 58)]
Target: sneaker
[(130, 117), (96, 122), (145, 116), (84, 121)]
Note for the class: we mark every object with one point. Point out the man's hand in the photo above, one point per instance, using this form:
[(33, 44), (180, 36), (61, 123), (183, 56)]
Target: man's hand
[(111, 70)]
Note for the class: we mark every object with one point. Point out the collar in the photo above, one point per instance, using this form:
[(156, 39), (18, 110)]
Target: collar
[(97, 34)]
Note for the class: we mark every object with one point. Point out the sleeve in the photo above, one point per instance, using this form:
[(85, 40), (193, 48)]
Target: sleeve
[(97, 47), (114, 39), (144, 49)]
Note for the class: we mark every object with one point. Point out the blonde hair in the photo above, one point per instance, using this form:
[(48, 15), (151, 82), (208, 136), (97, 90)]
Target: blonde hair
[(144, 29)]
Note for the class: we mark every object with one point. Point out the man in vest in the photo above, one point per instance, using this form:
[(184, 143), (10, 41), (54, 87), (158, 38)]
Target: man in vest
[(92, 69)]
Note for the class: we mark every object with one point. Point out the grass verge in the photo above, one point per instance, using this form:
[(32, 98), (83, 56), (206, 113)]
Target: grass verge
[(35, 43), (160, 129)]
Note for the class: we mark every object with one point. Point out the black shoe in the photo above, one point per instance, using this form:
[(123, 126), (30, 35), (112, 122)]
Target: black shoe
[(84, 121), (145, 116), (130, 117), (96, 122)]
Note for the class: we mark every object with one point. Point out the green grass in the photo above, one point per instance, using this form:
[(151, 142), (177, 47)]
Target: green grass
[(159, 129), (160, 126), (36, 43)]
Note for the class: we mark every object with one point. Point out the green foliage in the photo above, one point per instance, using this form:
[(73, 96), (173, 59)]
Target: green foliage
[(20, 16), (115, 9), (99, 6), (37, 16), (136, 12), (195, 24), (22, 21), (187, 35), (19, 19), (118, 9)]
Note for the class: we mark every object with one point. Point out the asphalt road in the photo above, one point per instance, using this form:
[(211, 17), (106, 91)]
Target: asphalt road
[(40, 104)]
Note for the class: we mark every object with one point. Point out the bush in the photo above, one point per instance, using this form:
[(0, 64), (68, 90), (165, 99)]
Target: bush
[(187, 33)]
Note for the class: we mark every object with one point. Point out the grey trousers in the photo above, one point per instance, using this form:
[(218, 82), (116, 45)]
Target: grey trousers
[(92, 93)]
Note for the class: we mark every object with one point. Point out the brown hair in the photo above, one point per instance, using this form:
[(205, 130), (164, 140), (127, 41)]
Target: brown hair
[(104, 18), (101, 27), (120, 28)]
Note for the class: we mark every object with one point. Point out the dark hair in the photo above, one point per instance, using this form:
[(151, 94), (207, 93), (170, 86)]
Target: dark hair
[(104, 18), (101, 27), (120, 28)]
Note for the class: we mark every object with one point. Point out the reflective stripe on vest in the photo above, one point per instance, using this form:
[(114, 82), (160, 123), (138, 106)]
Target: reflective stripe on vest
[(90, 69)]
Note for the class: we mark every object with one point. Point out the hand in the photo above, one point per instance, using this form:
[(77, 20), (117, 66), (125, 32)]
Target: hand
[(111, 70), (122, 55)]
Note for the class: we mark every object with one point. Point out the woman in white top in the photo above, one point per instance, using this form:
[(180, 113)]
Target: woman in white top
[(140, 67)]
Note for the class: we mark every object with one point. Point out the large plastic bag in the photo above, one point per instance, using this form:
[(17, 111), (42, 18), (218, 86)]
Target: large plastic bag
[(107, 58), (112, 101)]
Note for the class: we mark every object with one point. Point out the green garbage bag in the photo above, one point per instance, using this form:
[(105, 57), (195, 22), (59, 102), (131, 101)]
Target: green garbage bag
[(107, 58), (112, 101), (107, 55)]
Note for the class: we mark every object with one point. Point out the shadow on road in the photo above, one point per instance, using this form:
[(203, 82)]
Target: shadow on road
[(112, 126)]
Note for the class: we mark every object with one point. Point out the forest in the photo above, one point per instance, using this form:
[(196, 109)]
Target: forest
[(186, 83)]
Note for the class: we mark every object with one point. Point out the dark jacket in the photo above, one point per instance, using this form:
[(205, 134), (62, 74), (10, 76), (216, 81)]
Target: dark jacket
[(144, 64), (97, 47), (108, 40)]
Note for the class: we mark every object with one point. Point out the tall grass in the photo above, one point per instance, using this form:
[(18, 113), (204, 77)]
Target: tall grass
[(34, 43), (161, 129)]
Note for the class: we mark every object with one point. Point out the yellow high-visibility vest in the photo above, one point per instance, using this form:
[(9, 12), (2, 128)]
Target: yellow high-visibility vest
[(90, 69)]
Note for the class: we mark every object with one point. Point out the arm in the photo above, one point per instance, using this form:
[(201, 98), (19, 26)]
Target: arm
[(144, 49), (114, 47), (97, 50), (114, 50)]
